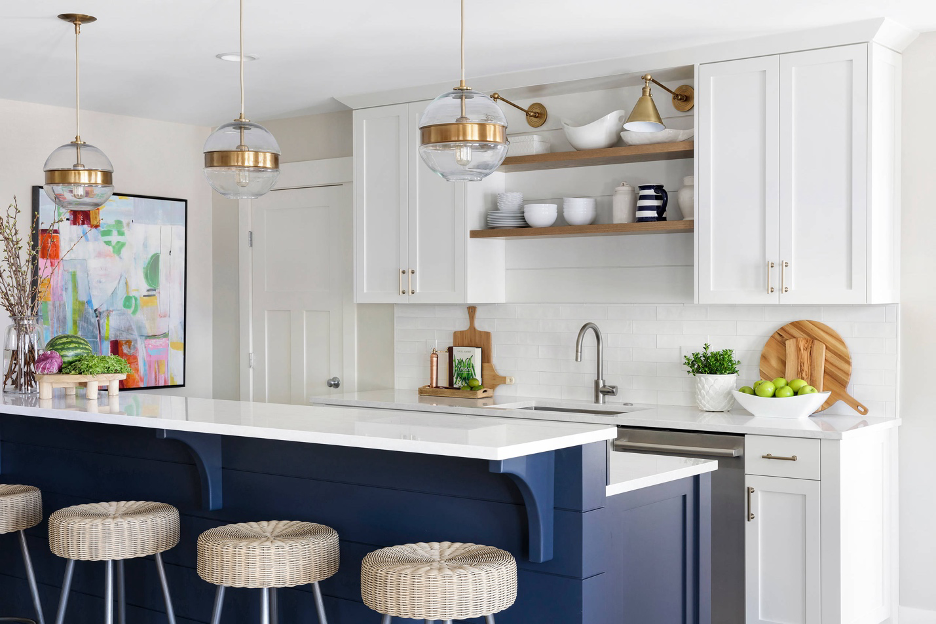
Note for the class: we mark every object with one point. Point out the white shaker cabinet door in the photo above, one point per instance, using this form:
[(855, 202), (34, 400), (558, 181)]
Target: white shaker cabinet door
[(381, 200), (738, 185), (824, 173), (437, 230), (782, 551)]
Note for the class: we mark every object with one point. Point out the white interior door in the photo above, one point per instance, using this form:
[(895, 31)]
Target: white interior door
[(302, 293)]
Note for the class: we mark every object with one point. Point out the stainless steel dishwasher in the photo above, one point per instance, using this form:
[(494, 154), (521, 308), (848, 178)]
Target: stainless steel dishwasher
[(727, 504)]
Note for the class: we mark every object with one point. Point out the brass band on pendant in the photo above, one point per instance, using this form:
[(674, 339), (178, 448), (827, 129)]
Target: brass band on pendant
[(247, 159), (79, 176), (467, 132)]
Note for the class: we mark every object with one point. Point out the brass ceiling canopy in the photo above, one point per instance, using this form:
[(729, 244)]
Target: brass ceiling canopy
[(535, 115), (77, 18)]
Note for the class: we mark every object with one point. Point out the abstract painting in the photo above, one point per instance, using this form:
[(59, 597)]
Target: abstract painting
[(121, 284)]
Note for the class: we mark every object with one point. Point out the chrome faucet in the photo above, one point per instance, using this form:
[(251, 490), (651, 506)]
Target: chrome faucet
[(601, 390)]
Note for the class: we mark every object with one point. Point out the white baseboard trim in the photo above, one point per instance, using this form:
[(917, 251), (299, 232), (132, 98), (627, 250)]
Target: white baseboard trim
[(911, 615)]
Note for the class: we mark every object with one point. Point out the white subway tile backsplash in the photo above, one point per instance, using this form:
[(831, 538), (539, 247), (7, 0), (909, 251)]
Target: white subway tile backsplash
[(644, 346)]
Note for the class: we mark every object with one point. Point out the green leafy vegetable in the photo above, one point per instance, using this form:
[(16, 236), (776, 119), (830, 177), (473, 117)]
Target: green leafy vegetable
[(97, 365), (712, 362)]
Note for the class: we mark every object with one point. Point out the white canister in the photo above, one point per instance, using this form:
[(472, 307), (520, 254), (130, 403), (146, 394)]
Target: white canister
[(624, 204), (686, 197)]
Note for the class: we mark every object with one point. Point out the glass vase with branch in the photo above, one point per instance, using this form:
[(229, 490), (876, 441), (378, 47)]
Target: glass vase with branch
[(24, 285)]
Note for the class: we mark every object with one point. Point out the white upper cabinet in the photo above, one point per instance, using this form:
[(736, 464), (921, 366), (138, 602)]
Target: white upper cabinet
[(793, 208), (412, 227), (738, 183)]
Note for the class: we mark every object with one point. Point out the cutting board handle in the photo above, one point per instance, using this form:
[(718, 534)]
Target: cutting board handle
[(472, 310), (853, 403)]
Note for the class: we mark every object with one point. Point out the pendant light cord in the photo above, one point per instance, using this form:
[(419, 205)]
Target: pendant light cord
[(77, 96), (462, 44), (242, 59)]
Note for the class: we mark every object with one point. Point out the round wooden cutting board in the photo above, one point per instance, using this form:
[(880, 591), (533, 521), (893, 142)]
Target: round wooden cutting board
[(837, 360)]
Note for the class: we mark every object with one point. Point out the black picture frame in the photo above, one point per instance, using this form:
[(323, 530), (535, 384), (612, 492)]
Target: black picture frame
[(38, 193)]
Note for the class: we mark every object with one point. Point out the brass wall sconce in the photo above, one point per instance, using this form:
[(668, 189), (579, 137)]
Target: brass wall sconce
[(645, 117), (535, 115)]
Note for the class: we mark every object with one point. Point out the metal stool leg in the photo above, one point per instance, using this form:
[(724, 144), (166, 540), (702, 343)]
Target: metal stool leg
[(108, 592), (170, 614), (386, 619), (264, 606), (489, 619), (274, 607), (320, 604), (66, 587), (31, 577), (219, 602), (121, 593)]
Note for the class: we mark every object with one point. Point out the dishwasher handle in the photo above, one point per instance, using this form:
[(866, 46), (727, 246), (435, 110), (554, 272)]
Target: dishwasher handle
[(674, 449)]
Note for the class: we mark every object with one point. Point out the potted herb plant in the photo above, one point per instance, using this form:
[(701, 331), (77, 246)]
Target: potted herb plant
[(716, 373)]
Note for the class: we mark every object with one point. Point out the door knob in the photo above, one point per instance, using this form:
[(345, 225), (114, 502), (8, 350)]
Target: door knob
[(334, 382)]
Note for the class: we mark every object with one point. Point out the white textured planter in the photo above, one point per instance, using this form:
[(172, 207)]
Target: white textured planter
[(713, 392)]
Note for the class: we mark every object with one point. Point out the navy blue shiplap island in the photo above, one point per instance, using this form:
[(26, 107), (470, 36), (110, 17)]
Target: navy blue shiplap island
[(632, 548)]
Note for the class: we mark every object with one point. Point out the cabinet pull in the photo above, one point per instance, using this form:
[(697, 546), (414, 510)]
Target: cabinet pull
[(783, 267), (750, 516), (412, 272), (769, 456), (770, 266), (402, 271)]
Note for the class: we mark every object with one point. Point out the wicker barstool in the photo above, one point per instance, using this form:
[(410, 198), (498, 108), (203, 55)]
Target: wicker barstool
[(113, 532), (266, 556), (21, 509), (439, 581)]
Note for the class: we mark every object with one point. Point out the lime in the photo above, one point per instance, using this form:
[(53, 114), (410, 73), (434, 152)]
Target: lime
[(785, 391), (474, 381), (796, 384), (746, 390)]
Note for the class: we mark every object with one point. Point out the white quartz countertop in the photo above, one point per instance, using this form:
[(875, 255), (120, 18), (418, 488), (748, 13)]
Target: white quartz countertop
[(633, 471), (737, 421), (456, 435)]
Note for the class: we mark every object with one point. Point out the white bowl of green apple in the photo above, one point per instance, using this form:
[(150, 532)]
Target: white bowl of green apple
[(779, 398)]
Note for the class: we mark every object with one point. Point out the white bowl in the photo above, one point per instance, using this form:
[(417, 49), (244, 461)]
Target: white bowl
[(788, 407), (598, 134), (579, 216), (663, 136), (540, 215)]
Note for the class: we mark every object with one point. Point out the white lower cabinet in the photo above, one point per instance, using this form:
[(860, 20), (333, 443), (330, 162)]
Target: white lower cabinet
[(782, 551)]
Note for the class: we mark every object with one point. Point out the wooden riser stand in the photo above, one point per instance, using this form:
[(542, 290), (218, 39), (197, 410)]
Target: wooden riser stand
[(71, 383)]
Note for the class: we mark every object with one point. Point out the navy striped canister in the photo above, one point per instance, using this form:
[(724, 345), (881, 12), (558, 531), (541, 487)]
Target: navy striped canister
[(651, 203)]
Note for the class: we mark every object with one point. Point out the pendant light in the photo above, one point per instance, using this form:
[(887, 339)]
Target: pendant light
[(645, 117), (78, 176), (463, 133), (241, 157)]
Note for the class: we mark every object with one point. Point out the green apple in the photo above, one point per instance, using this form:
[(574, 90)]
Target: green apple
[(785, 391), (746, 390), (765, 389), (757, 383), (779, 382), (806, 390), (796, 384)]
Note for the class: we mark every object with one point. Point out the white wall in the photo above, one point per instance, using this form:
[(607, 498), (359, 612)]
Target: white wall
[(918, 338), (150, 158)]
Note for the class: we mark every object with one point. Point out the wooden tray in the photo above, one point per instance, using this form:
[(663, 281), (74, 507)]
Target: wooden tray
[(71, 383), (456, 394), (473, 337), (837, 369)]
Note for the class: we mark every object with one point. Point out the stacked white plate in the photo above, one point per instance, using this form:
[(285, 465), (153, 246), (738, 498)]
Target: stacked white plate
[(506, 219), (510, 202)]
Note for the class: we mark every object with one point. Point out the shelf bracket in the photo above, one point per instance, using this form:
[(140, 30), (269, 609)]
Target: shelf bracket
[(535, 475), (206, 451)]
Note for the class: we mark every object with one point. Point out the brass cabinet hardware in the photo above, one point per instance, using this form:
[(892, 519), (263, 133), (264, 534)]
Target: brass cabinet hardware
[(402, 272), (770, 266), (412, 290), (769, 456), (783, 268), (750, 516)]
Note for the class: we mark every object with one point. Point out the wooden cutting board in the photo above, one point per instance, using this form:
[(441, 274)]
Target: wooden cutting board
[(837, 366), (473, 337)]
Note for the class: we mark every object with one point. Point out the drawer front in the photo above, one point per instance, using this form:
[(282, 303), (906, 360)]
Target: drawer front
[(773, 457)]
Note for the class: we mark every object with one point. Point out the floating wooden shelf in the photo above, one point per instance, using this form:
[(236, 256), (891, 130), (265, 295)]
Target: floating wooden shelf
[(608, 156), (602, 229)]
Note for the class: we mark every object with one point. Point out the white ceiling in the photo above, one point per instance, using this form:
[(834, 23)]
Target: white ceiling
[(156, 58)]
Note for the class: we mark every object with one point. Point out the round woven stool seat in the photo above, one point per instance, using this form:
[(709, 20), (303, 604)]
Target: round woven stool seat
[(113, 531), (277, 553), (439, 581), (20, 507)]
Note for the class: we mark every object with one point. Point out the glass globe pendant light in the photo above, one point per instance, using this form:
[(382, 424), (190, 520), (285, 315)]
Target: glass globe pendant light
[(463, 133), (241, 157), (78, 176)]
